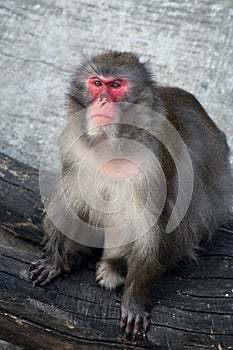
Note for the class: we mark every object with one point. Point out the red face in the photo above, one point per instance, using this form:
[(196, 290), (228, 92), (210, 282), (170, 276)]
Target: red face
[(104, 92)]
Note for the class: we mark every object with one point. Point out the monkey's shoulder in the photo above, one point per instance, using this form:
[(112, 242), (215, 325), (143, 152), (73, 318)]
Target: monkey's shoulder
[(185, 112), (178, 101)]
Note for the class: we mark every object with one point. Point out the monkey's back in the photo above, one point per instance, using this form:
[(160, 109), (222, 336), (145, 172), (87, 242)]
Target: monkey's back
[(212, 189)]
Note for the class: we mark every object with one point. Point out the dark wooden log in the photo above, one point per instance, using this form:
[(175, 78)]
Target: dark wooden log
[(21, 209), (192, 305)]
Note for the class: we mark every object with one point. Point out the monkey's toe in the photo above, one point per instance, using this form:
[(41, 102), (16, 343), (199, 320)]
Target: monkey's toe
[(34, 265), (43, 272), (107, 277), (134, 323)]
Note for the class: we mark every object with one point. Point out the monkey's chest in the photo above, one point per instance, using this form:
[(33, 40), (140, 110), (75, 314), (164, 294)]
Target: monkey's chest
[(111, 194)]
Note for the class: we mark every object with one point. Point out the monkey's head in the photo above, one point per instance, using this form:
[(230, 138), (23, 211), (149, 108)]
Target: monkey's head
[(106, 79)]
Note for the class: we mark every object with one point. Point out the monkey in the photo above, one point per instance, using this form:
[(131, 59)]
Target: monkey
[(129, 137)]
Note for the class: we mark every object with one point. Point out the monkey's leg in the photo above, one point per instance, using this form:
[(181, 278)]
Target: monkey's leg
[(143, 270), (55, 258), (110, 273)]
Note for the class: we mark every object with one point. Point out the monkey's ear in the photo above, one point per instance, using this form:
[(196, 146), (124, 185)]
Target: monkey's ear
[(72, 105)]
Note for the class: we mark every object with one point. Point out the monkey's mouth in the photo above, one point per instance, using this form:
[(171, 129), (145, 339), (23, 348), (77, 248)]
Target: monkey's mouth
[(101, 119)]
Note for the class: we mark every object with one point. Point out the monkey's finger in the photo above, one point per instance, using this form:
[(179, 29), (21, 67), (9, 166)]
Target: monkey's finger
[(123, 323), (146, 323), (99, 276), (34, 265), (41, 278), (137, 329), (101, 271), (129, 327), (51, 275), (36, 273)]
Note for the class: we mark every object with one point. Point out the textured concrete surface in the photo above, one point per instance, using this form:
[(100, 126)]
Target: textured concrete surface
[(189, 44)]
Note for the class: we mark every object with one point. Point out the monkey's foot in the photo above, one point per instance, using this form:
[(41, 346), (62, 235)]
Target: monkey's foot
[(43, 272), (135, 320), (107, 277)]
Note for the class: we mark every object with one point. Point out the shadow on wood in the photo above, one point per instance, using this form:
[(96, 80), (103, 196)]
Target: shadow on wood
[(192, 305)]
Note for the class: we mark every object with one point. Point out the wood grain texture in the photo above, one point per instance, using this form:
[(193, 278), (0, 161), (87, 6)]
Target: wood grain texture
[(21, 209), (191, 305)]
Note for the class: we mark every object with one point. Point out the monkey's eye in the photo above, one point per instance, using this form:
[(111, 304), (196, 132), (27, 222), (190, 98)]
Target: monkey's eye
[(97, 83), (115, 85)]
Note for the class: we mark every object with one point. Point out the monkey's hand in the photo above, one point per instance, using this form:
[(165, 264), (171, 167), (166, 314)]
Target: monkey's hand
[(135, 318), (44, 271)]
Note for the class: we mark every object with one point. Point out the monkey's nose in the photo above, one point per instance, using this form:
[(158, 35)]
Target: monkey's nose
[(102, 100)]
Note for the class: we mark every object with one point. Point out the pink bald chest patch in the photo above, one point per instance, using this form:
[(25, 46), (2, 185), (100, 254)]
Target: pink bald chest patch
[(119, 168)]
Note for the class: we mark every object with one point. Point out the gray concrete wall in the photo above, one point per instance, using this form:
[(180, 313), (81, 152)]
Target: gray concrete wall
[(189, 44)]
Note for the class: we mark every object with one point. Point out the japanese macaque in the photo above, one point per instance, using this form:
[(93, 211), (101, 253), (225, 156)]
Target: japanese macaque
[(145, 176)]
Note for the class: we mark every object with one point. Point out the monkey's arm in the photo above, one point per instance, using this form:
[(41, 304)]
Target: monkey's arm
[(55, 256), (61, 253)]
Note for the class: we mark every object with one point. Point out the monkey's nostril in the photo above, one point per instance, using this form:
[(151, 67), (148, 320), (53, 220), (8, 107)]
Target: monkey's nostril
[(101, 100)]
